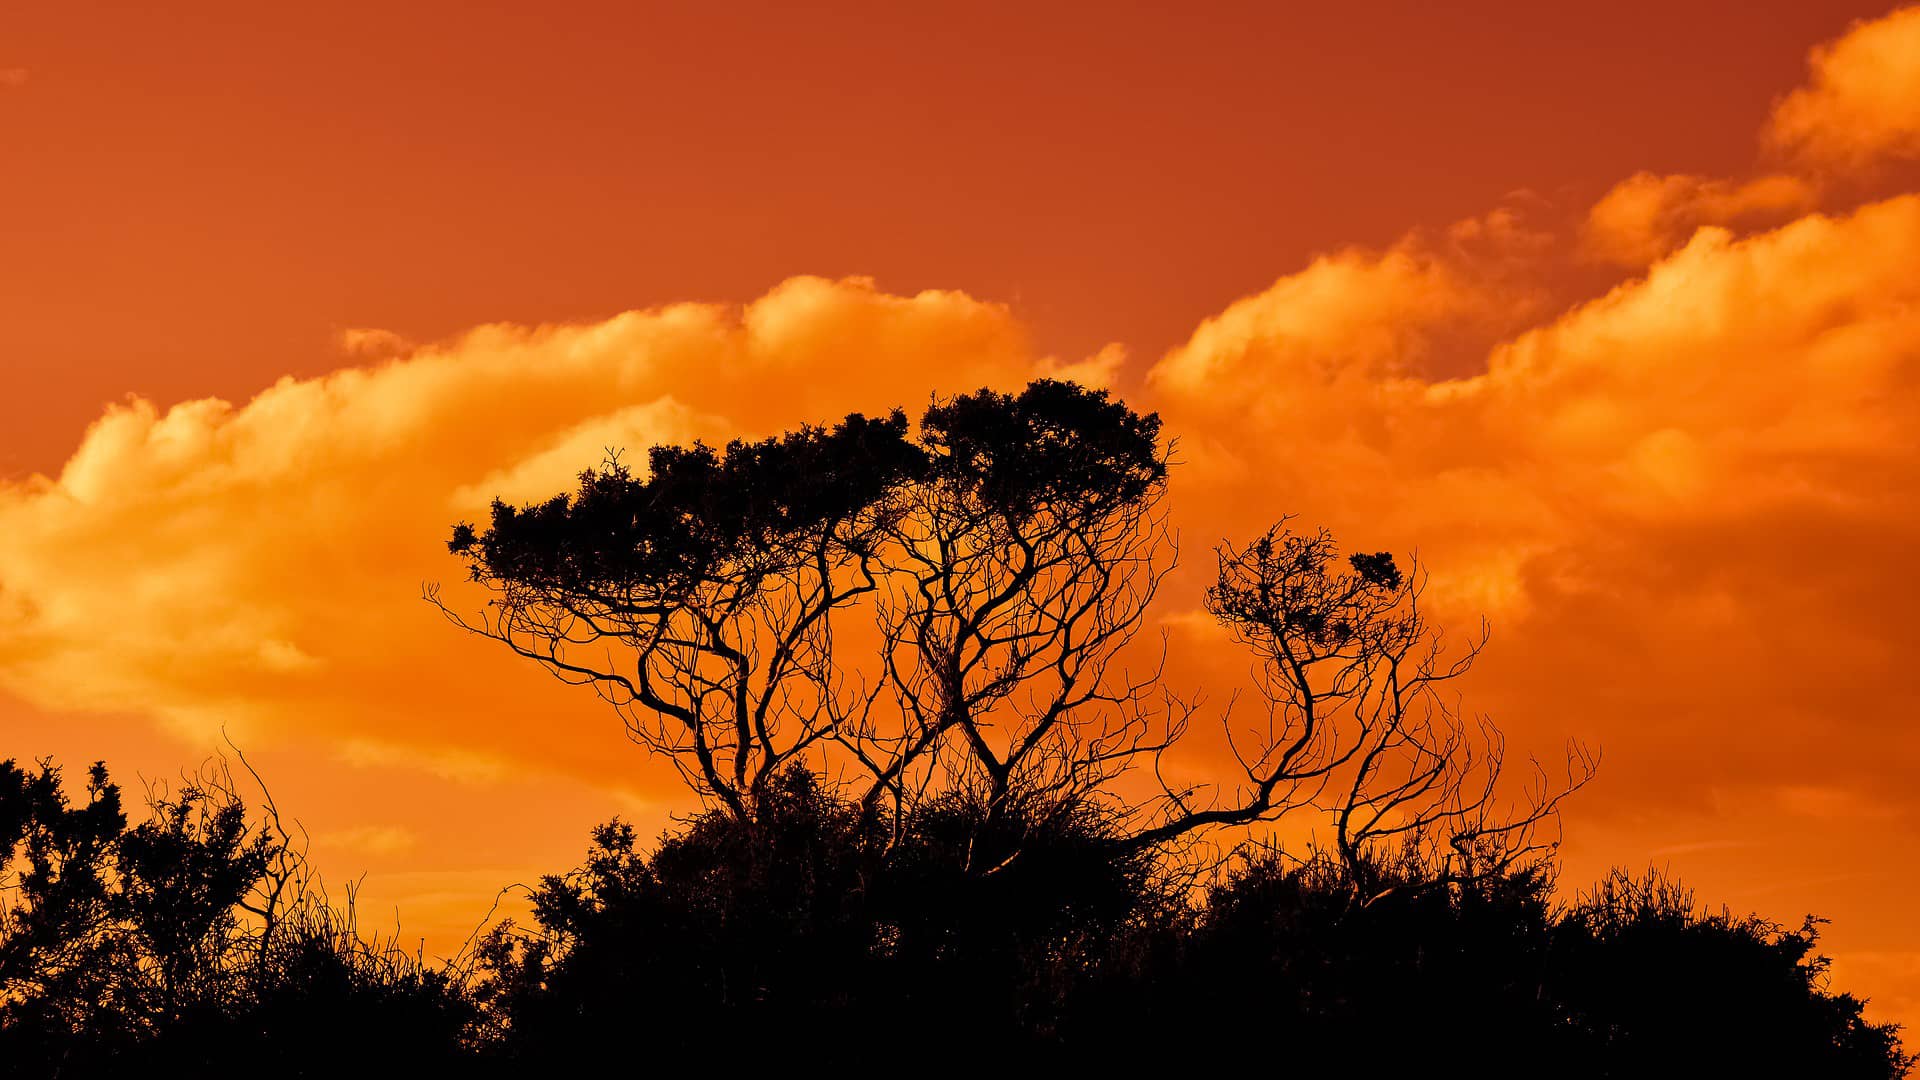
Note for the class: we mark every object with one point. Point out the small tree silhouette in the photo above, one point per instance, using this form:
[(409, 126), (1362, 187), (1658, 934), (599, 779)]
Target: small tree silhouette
[(1733, 994), (1357, 724)]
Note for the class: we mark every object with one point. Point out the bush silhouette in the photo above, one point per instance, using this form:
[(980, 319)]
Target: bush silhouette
[(793, 924), (803, 932), (1659, 984), (192, 940), (720, 929), (1285, 947)]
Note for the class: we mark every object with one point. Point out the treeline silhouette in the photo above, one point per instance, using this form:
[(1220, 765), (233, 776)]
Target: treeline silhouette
[(943, 821), (180, 946)]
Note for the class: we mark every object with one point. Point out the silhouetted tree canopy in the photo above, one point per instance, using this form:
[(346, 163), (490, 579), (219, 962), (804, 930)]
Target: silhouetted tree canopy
[(1055, 447), (699, 514), (946, 613)]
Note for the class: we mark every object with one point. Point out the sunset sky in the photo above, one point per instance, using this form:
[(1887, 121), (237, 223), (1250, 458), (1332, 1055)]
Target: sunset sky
[(1613, 312)]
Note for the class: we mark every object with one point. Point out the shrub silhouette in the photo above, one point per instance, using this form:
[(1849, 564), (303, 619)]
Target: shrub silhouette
[(721, 929), (749, 942), (1657, 983), (193, 940), (1075, 951), (789, 925)]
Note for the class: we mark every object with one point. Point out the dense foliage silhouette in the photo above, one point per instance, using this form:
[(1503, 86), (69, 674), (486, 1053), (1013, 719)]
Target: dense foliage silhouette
[(940, 821), (787, 928), (193, 940), (756, 942)]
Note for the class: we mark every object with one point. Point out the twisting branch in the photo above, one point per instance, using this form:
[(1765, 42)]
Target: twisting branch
[(1026, 560), (1361, 729), (699, 601)]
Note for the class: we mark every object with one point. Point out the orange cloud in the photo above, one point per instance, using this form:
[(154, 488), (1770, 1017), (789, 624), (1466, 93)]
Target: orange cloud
[(1646, 215), (1862, 104), (1737, 380), (259, 567), (1359, 317)]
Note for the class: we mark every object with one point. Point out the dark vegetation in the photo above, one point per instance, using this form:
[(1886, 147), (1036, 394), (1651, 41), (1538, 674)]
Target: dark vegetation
[(941, 821), (194, 940)]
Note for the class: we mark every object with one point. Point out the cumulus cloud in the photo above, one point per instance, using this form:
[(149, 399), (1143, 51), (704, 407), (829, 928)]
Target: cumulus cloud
[(1862, 101), (1751, 390), (1720, 441), (1647, 216), (259, 565), (1358, 316), (1686, 505)]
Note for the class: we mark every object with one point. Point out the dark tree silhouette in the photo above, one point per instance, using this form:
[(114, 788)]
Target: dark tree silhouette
[(1003, 561), (1357, 725), (1029, 551), (890, 664)]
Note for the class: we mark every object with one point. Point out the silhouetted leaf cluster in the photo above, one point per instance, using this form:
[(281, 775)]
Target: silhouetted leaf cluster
[(1052, 445), (697, 510)]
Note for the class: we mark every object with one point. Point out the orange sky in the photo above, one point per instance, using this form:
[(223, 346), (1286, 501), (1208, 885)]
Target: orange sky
[(1612, 312)]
